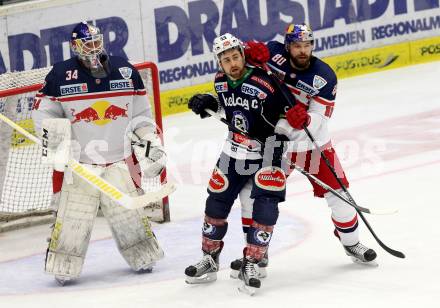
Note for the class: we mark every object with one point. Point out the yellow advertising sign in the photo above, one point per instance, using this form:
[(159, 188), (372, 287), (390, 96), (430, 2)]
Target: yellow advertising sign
[(370, 61), (175, 101), (425, 50)]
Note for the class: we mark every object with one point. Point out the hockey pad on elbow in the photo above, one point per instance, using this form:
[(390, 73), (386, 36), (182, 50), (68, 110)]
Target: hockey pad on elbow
[(56, 142)]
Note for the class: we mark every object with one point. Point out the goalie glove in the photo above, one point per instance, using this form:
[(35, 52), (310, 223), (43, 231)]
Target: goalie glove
[(56, 143), (149, 151)]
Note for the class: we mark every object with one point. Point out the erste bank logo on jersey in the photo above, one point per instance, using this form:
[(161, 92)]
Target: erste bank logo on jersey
[(121, 84), (253, 91), (72, 89), (221, 87)]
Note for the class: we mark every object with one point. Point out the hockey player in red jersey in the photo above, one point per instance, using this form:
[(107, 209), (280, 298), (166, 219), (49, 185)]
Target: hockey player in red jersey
[(314, 85), (252, 106), (100, 101)]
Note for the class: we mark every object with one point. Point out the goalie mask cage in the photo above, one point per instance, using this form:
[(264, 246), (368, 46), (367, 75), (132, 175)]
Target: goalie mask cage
[(26, 184)]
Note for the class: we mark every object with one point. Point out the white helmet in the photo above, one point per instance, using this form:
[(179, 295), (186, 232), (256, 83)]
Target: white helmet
[(225, 42)]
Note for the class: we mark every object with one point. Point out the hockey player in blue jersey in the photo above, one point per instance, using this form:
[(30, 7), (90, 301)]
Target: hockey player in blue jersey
[(251, 104), (314, 85), (100, 101)]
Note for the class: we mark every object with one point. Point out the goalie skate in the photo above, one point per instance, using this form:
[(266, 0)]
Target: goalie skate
[(262, 265), (249, 273), (204, 271), (62, 280), (361, 254)]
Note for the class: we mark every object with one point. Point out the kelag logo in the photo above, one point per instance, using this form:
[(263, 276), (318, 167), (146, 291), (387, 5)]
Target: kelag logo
[(376, 61)]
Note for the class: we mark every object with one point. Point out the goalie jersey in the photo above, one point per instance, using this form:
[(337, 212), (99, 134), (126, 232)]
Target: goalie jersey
[(315, 87), (100, 110), (252, 105)]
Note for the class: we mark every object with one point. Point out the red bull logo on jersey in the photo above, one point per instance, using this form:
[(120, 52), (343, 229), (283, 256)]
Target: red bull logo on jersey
[(73, 89), (100, 113), (271, 178), (121, 84)]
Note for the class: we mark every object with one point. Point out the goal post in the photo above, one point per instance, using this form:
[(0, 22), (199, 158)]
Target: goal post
[(25, 183)]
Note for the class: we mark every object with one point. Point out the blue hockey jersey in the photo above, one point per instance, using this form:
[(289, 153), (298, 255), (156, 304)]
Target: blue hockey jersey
[(251, 105), (315, 87)]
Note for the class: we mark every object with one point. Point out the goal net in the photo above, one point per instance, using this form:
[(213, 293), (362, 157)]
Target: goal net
[(25, 183)]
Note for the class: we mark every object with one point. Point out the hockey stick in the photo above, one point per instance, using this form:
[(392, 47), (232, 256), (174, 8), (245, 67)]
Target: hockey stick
[(307, 174), (98, 182), (327, 162)]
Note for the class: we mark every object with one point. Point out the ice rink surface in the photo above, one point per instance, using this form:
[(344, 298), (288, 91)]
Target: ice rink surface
[(386, 129)]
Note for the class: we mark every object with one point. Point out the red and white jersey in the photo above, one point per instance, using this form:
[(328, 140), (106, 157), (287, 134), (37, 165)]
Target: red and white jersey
[(314, 87), (101, 110)]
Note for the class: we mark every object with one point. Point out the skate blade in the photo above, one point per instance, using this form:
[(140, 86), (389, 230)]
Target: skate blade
[(234, 274), (62, 281), (206, 278), (262, 273), (243, 288), (359, 261)]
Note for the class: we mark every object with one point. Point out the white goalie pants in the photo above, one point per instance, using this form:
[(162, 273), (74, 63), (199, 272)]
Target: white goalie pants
[(77, 205)]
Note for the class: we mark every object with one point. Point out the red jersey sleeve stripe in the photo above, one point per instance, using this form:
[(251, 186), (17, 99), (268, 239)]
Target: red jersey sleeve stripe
[(323, 101)]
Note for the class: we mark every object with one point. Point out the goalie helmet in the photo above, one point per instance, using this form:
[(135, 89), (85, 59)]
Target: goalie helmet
[(297, 33), (87, 43), (225, 42)]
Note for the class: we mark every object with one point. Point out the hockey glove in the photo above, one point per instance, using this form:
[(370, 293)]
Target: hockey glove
[(199, 102), (56, 141), (149, 152), (274, 149), (298, 116), (256, 53)]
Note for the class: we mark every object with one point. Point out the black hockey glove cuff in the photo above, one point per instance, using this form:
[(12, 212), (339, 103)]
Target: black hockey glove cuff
[(199, 102)]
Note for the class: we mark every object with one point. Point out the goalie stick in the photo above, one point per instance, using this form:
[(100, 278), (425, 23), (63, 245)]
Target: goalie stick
[(99, 183), (309, 175), (279, 85)]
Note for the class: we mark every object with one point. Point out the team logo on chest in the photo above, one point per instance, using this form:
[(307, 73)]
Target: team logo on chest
[(319, 82), (125, 72), (240, 121), (253, 91)]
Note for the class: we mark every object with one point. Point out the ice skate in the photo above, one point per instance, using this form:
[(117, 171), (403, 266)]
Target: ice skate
[(262, 265), (361, 254), (204, 271), (249, 274), (62, 280), (147, 268)]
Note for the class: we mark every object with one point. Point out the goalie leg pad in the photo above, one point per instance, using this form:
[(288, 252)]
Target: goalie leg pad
[(76, 205), (131, 229)]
